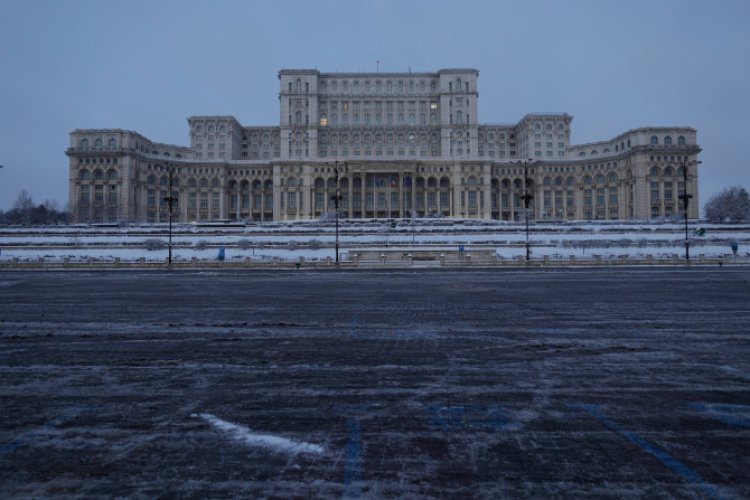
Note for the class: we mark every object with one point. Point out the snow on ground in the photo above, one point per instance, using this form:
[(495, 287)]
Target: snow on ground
[(246, 436), (314, 240)]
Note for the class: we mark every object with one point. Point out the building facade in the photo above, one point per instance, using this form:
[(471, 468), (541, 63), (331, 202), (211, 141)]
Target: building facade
[(400, 145)]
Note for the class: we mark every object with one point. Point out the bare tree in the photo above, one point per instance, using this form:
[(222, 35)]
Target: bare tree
[(730, 205), (23, 205)]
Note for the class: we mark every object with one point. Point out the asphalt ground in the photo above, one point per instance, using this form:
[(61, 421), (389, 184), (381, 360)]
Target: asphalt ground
[(552, 383)]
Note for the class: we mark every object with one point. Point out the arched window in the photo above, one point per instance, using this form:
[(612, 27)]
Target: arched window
[(654, 140), (588, 180), (668, 172), (192, 183), (163, 181), (112, 143), (549, 126), (668, 140), (112, 175), (431, 182), (594, 152), (204, 183), (558, 181), (472, 181), (85, 175), (681, 140), (166, 153), (151, 180), (570, 181), (98, 144), (654, 172), (600, 179), (548, 181), (215, 183), (84, 143), (444, 182), (613, 178), (98, 174)]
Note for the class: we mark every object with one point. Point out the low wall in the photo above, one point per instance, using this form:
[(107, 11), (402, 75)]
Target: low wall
[(371, 259)]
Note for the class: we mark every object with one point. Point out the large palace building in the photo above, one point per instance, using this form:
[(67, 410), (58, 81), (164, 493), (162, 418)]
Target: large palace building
[(400, 145)]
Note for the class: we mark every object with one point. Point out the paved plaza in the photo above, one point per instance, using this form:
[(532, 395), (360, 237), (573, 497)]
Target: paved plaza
[(506, 383)]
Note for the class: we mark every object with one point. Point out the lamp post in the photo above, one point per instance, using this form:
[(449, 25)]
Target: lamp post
[(336, 198), (685, 197), (527, 197), (170, 203)]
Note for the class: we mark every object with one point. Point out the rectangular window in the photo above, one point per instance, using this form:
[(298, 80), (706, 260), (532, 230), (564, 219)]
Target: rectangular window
[(613, 196)]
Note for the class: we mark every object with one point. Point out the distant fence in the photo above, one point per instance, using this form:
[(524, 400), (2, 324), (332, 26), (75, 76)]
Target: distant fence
[(369, 259)]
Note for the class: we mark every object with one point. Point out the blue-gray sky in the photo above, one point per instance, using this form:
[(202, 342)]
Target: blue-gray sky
[(146, 65)]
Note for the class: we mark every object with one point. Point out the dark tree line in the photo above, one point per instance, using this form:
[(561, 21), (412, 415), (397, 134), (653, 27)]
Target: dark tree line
[(26, 213)]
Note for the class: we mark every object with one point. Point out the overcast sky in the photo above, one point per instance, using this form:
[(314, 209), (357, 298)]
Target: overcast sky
[(148, 65)]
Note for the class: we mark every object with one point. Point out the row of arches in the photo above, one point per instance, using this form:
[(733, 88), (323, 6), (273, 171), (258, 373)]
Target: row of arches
[(98, 144), (666, 172), (379, 137), (369, 87), (98, 174), (667, 140)]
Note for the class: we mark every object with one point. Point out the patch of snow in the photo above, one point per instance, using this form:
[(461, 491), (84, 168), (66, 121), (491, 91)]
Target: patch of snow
[(246, 436)]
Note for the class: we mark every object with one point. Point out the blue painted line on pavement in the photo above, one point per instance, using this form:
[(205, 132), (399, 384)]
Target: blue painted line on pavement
[(671, 463), (730, 414), (353, 461), (30, 436)]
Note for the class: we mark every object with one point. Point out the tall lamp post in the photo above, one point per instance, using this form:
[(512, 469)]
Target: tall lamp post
[(527, 197), (170, 203), (685, 197), (336, 199)]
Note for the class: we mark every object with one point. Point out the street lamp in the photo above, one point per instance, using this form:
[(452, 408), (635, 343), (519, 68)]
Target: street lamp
[(527, 197), (685, 197), (336, 199), (170, 203)]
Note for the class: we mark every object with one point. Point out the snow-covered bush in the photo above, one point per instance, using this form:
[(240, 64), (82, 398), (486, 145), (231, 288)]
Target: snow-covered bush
[(154, 244)]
